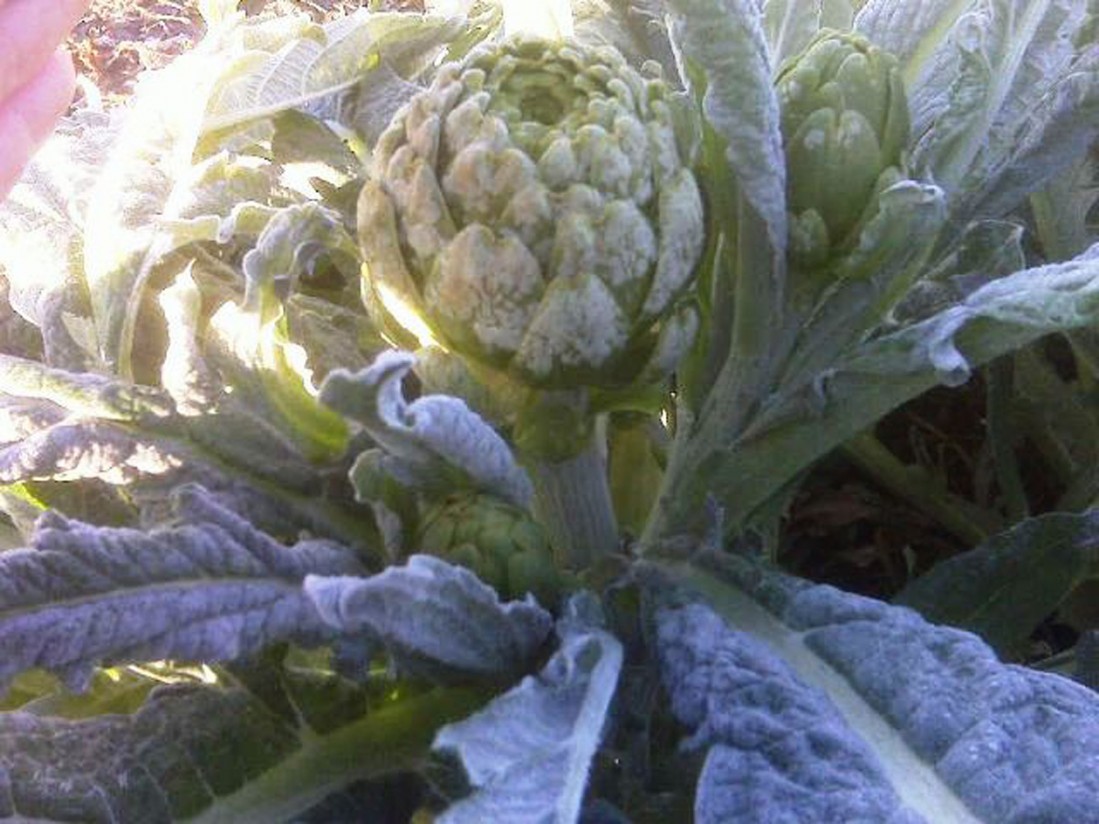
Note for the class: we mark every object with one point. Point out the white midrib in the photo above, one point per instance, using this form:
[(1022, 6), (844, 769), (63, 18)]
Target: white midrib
[(914, 780)]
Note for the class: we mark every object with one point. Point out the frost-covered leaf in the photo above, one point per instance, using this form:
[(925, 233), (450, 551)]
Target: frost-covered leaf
[(250, 346), (891, 254), (1061, 209), (637, 28), (204, 754), (791, 24), (435, 442), (229, 195), (147, 178), (166, 762), (528, 753), (984, 251), (212, 588), (877, 376), (120, 431), (42, 242), (78, 450), (722, 46), (1003, 94), (301, 138), (435, 620), (85, 394), (817, 705), (1006, 587), (324, 61)]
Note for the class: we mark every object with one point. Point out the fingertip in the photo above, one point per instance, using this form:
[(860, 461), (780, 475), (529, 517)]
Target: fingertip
[(63, 80), (27, 118)]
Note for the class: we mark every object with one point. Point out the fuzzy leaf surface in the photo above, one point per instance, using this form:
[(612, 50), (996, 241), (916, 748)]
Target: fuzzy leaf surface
[(873, 378), (210, 589), (433, 441), (1002, 94), (204, 754), (722, 45), (817, 705), (436, 620), (1004, 588), (528, 752)]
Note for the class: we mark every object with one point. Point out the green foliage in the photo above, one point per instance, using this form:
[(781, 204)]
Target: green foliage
[(254, 567)]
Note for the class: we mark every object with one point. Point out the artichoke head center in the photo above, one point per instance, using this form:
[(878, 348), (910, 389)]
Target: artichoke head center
[(540, 98)]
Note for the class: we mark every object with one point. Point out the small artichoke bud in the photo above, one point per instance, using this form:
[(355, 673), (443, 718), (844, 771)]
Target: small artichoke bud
[(845, 126), (500, 543), (533, 210)]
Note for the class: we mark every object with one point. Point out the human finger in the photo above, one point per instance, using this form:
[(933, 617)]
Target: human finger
[(28, 116), (29, 32)]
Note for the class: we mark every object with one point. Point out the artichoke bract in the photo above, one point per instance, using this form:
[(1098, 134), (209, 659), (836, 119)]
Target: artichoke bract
[(498, 542), (845, 126), (533, 211)]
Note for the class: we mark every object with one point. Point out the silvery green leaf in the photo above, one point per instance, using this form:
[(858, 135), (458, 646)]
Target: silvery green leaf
[(1056, 131), (436, 620), (721, 45), (204, 754), (229, 195), (812, 704), (1006, 587), (324, 61), (22, 417), (211, 588), (168, 761), (333, 336), (1061, 209), (78, 450), (292, 241), (636, 28), (84, 394), (528, 753), (41, 236), (1002, 93), (873, 378), (1055, 412), (890, 254), (120, 432), (18, 336), (370, 106), (249, 343), (147, 178), (1021, 306), (434, 442), (791, 24), (301, 138), (985, 250)]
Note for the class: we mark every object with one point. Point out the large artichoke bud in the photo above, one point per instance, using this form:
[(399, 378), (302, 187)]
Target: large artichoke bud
[(497, 541), (845, 126), (533, 211)]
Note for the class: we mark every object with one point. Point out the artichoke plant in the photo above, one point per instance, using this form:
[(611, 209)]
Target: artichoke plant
[(497, 541), (845, 125), (533, 211)]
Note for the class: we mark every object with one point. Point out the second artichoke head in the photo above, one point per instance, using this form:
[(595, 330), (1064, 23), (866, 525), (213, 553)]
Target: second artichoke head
[(845, 126), (533, 212)]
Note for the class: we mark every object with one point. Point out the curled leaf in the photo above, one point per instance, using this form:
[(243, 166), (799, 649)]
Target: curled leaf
[(435, 440)]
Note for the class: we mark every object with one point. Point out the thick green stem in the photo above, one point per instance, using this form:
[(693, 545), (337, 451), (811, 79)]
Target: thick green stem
[(380, 743), (913, 484), (1002, 437), (572, 499)]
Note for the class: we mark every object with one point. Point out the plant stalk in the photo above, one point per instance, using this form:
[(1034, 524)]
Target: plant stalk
[(914, 485), (572, 500), (383, 742)]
